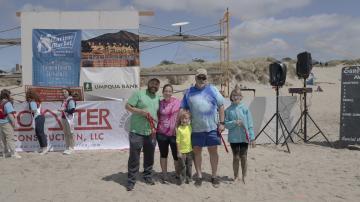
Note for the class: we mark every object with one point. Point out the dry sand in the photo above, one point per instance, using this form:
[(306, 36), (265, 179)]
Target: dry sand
[(311, 172)]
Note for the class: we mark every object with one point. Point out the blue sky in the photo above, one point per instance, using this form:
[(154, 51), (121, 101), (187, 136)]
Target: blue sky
[(329, 29)]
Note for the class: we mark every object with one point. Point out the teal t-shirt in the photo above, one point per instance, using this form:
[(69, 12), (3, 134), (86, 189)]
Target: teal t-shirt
[(8, 109), (236, 133), (142, 99)]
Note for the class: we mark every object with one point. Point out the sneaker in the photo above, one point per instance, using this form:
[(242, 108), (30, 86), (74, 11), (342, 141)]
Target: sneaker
[(188, 180), (37, 150), (68, 152), (129, 187), (45, 150), (215, 182), (2, 155), (164, 179), (198, 182), (16, 155), (149, 181), (179, 180)]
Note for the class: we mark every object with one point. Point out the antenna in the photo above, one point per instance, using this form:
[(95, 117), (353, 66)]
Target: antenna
[(179, 24)]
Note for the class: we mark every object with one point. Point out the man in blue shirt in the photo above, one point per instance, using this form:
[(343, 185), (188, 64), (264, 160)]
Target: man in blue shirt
[(205, 104)]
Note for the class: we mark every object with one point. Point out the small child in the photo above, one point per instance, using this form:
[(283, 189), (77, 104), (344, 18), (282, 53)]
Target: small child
[(184, 147), (239, 122)]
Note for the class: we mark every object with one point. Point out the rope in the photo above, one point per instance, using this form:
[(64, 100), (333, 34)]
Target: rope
[(223, 141), (152, 125), (157, 46), (247, 135), (7, 46), (10, 29), (203, 27), (168, 30)]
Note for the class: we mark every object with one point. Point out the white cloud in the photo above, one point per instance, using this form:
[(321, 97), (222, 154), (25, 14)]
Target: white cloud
[(108, 5), (99, 4), (343, 42), (31, 7), (251, 9), (276, 44), (326, 36), (275, 47), (240, 9), (255, 29)]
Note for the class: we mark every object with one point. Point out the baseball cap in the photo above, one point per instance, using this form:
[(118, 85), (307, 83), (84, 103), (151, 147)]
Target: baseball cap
[(154, 79), (201, 71)]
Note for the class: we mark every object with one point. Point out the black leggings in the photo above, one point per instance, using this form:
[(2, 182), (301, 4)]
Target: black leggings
[(239, 149), (164, 141), (39, 130)]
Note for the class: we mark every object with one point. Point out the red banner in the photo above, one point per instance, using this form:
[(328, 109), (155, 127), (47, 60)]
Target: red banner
[(51, 94)]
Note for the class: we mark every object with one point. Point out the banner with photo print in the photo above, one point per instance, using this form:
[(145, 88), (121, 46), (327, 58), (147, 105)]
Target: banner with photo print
[(109, 64), (56, 57)]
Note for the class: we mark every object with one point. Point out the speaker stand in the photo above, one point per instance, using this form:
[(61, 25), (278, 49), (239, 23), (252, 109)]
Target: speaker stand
[(303, 124), (279, 122), (300, 125)]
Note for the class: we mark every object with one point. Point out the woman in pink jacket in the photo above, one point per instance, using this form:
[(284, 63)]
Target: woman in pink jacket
[(165, 135)]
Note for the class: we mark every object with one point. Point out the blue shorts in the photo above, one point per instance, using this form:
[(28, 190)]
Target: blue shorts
[(205, 139)]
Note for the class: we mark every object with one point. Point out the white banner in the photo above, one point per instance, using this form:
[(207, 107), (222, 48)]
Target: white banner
[(105, 125), (110, 82), (98, 125)]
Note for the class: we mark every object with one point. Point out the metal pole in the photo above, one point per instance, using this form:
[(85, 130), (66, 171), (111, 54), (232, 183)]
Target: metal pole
[(305, 112), (277, 115), (227, 49), (221, 55)]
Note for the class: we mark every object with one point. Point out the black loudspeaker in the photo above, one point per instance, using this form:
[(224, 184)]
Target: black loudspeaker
[(277, 72), (303, 65)]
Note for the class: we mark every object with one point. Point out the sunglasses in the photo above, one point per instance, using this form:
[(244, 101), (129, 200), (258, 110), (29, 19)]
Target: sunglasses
[(201, 77)]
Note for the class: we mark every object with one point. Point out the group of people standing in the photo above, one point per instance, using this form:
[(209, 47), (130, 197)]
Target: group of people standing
[(7, 122), (186, 126)]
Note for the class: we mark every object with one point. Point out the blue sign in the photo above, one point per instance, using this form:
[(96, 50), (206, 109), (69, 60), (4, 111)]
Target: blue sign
[(56, 43), (56, 72), (56, 57)]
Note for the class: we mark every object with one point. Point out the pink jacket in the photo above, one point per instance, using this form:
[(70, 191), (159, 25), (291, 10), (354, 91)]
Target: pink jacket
[(168, 111)]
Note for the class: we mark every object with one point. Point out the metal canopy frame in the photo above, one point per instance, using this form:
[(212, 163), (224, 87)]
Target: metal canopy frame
[(223, 38)]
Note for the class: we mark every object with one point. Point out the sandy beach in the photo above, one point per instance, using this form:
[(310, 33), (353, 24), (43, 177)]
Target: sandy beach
[(311, 172)]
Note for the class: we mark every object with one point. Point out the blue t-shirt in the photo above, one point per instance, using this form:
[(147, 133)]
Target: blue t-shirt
[(8, 108), (203, 104)]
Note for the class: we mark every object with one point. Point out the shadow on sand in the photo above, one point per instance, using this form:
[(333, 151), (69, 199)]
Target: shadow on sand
[(121, 178)]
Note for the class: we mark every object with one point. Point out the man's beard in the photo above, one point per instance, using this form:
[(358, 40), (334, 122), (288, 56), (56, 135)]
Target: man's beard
[(153, 89)]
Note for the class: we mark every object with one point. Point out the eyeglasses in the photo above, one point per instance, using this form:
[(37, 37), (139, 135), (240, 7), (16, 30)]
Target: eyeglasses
[(201, 77)]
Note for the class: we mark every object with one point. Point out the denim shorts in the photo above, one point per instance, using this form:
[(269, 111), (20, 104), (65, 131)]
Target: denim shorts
[(205, 139)]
